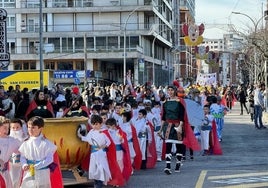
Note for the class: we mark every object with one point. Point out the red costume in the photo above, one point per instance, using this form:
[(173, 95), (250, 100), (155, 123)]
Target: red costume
[(216, 147), (152, 158), (138, 157), (33, 106), (117, 176), (55, 173), (2, 182)]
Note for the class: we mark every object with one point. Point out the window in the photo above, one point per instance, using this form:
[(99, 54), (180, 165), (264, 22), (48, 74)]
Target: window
[(7, 3), (50, 65), (67, 44), (17, 66), (56, 42), (80, 65), (113, 43), (134, 41), (100, 42), (11, 23), (65, 65), (90, 43), (11, 47), (24, 65), (79, 44)]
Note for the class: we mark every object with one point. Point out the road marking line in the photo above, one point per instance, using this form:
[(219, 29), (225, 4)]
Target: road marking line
[(237, 175), (252, 185), (200, 181)]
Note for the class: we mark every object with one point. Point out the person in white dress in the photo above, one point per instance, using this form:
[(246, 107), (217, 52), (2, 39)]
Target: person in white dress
[(17, 131), (36, 155), (126, 127), (144, 135), (8, 146), (98, 168)]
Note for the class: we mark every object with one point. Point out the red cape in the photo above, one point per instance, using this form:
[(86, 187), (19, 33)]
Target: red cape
[(189, 139), (127, 170), (216, 144), (56, 176), (117, 176), (151, 159), (136, 145), (33, 106), (2, 182)]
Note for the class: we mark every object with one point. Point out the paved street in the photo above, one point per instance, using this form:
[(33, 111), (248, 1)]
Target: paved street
[(244, 162)]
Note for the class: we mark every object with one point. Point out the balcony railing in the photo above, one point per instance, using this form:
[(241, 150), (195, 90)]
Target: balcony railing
[(72, 3)]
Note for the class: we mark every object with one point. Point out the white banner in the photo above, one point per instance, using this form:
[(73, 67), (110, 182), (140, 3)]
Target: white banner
[(207, 79)]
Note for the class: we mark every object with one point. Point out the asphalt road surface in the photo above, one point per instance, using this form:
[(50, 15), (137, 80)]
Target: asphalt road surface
[(244, 162)]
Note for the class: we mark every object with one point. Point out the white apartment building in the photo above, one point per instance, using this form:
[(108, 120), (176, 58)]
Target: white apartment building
[(89, 35), (226, 48), (214, 44)]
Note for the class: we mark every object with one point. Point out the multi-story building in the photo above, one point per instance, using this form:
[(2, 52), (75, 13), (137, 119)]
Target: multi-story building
[(186, 66), (227, 50), (107, 37)]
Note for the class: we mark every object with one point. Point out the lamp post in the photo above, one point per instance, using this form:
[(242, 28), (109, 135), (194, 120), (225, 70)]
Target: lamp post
[(255, 23), (124, 55), (41, 45)]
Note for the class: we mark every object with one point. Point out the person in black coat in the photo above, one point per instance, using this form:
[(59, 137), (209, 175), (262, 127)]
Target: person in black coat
[(242, 96), (23, 106)]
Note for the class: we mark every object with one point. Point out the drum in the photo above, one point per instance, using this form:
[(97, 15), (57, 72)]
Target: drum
[(63, 132)]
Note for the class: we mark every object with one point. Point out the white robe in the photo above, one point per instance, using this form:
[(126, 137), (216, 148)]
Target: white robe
[(40, 151), (15, 168), (8, 145), (142, 127), (98, 167), (126, 127)]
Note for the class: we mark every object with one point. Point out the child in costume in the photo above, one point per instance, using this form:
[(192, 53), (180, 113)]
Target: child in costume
[(8, 146), (37, 156), (218, 111), (119, 138), (144, 134), (156, 110), (16, 131), (98, 168), (127, 128), (206, 130)]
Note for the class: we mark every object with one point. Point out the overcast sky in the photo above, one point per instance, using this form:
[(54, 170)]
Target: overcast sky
[(217, 14)]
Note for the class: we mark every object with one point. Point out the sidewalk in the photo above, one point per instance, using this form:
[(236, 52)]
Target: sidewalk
[(236, 109), (265, 118)]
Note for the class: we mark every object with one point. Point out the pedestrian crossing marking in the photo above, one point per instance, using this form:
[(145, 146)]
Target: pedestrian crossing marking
[(252, 185), (241, 180), (237, 175)]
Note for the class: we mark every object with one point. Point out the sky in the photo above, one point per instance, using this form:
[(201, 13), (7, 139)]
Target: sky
[(217, 15)]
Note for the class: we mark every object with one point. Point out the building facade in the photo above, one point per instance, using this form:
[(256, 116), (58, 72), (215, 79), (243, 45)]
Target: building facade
[(186, 67), (106, 37), (228, 51)]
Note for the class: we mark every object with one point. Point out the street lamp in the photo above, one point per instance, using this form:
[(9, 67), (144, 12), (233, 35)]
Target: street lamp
[(255, 23), (41, 45), (124, 55)]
